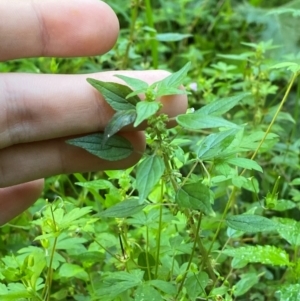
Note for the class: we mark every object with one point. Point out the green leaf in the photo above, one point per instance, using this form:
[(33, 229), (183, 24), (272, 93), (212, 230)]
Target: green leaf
[(178, 246), (171, 37), (96, 184), (134, 83), (295, 181), (214, 145), (291, 66), (252, 141), (118, 121), (119, 282), (283, 10), (68, 270), (289, 292), (115, 94), (244, 163), (196, 284), (144, 110), (146, 261), (262, 254), (88, 257), (148, 174), (199, 121), (245, 283), (123, 209), (74, 215), (16, 296), (163, 286), (117, 148), (174, 80), (238, 57), (289, 230), (195, 196), (66, 243), (251, 223), (221, 106), (146, 292), (283, 205), (3, 289)]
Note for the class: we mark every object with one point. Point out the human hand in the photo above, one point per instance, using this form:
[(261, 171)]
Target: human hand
[(40, 112)]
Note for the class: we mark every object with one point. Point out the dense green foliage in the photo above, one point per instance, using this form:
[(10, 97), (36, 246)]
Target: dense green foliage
[(211, 211)]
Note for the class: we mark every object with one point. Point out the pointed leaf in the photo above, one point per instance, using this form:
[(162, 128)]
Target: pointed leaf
[(295, 181), (146, 292), (163, 286), (251, 223), (16, 295), (96, 184), (67, 243), (174, 80), (119, 282), (118, 121), (135, 92), (74, 215), (171, 36), (245, 283), (199, 121), (123, 209), (69, 270), (115, 149), (195, 196), (134, 83), (214, 145), (144, 110), (148, 174), (289, 292), (261, 254), (289, 230), (244, 163), (221, 106), (115, 94), (196, 284)]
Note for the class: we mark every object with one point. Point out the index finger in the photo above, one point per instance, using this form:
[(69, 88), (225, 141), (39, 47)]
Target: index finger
[(31, 28)]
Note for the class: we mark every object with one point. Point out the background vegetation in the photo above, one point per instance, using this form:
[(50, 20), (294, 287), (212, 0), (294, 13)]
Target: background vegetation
[(228, 228)]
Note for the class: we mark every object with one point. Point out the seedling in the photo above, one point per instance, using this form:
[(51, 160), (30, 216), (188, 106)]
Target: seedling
[(129, 111)]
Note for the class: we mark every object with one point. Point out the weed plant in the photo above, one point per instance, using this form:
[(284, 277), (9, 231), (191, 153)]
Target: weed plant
[(211, 210)]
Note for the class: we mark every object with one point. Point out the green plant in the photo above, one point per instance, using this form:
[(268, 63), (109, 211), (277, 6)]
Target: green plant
[(211, 211)]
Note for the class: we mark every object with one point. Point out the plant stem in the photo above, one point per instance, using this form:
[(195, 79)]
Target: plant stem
[(154, 43), (147, 253), (48, 284), (159, 231), (105, 249), (206, 260), (287, 92), (228, 205), (296, 111), (190, 172), (203, 251), (134, 14), (191, 258), (126, 249)]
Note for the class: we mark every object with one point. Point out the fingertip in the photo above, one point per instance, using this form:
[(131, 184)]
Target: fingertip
[(100, 28), (15, 199), (56, 28), (82, 28)]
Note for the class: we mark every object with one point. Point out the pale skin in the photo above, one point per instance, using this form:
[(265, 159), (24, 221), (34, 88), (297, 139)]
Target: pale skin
[(39, 112)]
